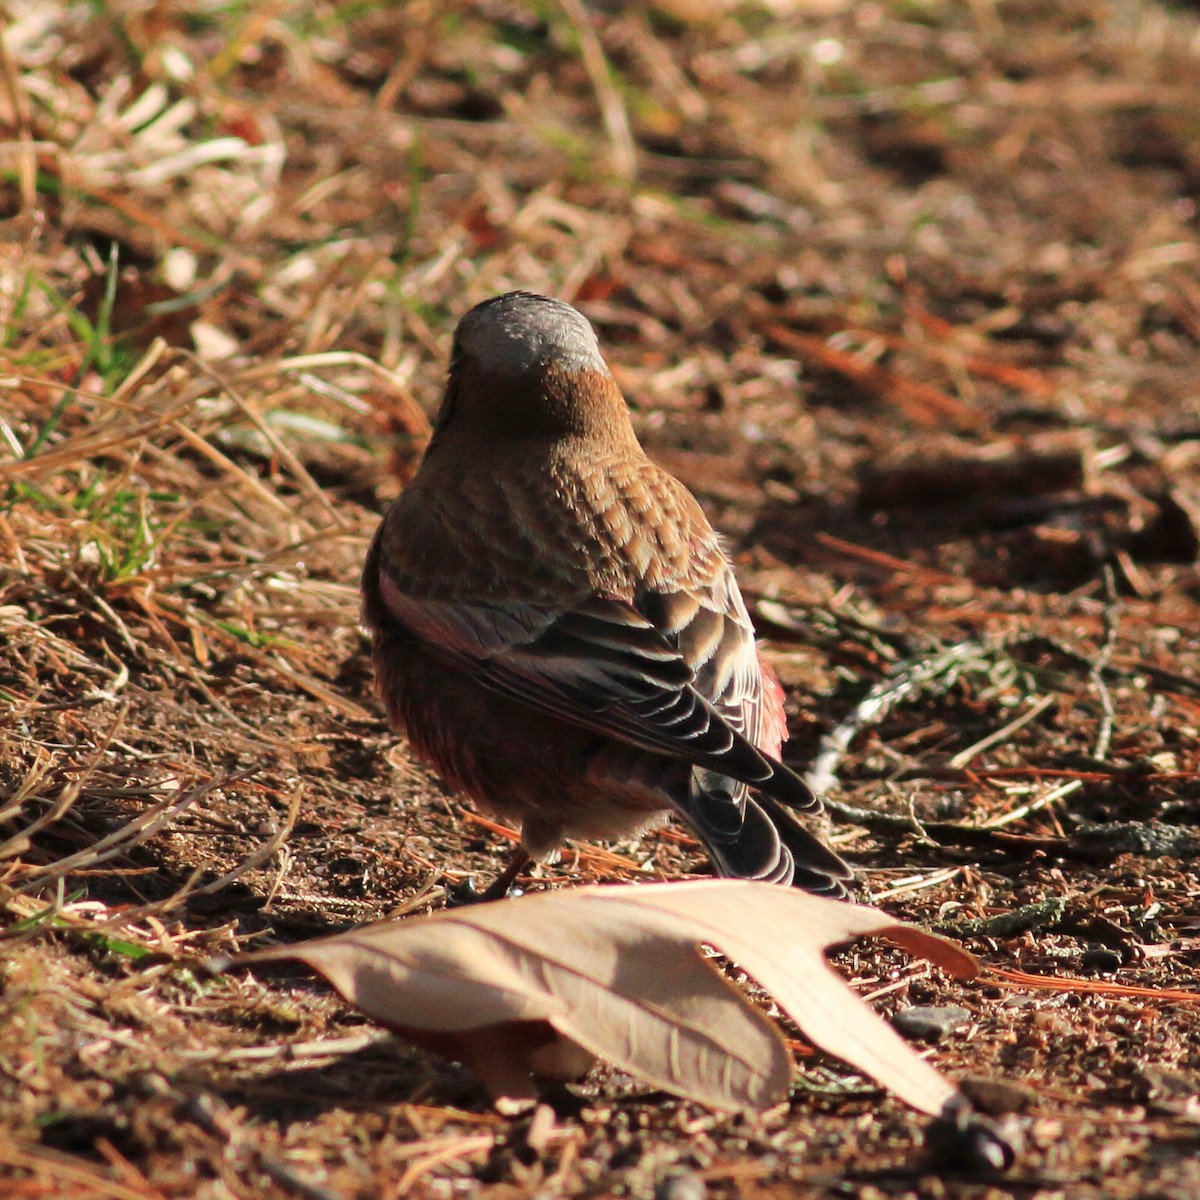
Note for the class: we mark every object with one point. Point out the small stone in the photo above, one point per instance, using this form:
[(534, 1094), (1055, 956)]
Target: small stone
[(680, 1184), (1100, 960), (971, 1145), (930, 1024), (1016, 1000)]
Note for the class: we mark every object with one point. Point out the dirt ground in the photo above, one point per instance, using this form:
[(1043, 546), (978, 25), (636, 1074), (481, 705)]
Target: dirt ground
[(906, 292)]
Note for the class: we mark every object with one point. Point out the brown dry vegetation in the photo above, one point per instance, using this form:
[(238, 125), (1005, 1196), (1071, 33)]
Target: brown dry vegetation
[(832, 250)]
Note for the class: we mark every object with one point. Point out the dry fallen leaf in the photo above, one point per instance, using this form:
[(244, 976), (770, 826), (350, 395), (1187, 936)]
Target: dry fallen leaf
[(540, 986)]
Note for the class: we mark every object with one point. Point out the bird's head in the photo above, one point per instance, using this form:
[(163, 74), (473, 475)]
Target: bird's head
[(525, 366)]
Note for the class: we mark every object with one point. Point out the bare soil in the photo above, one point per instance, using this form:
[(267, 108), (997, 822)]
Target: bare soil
[(906, 293)]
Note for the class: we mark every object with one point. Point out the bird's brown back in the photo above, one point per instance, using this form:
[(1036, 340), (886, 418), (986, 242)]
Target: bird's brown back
[(582, 522)]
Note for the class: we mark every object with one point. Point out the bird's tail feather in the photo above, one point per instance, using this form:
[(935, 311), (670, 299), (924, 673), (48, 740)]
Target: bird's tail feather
[(774, 847), (816, 868)]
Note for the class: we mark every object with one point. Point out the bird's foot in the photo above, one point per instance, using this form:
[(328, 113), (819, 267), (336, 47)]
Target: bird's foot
[(502, 887)]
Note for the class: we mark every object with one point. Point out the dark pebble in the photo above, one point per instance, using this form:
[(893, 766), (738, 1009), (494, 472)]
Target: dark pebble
[(930, 1024), (1100, 960), (963, 1142)]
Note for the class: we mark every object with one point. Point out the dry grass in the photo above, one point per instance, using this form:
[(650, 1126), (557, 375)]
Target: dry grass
[(820, 242)]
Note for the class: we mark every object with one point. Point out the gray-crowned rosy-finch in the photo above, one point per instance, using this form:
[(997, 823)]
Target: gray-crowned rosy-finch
[(556, 627)]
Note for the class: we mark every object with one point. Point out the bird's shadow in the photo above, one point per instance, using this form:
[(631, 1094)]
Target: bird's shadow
[(379, 1076)]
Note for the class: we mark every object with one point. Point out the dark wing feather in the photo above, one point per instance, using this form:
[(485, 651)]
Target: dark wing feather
[(602, 665), (748, 837)]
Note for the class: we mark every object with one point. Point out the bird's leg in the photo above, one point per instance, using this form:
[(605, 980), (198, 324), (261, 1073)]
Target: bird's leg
[(516, 864)]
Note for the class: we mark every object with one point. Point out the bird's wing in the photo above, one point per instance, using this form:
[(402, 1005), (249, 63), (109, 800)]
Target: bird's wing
[(674, 678), (712, 633)]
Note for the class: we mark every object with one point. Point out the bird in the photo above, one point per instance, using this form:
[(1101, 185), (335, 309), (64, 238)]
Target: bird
[(556, 627)]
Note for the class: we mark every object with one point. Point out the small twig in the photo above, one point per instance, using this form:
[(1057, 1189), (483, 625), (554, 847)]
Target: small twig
[(27, 788), (1166, 680), (995, 976), (915, 821), (834, 626), (1029, 918), (1023, 810), (1092, 843), (447, 1150), (75, 1176), (88, 447), (890, 562), (291, 1180), (317, 1048), (612, 108), (126, 1171), (224, 463), (918, 883), (1111, 617), (1132, 774), (190, 889), (133, 833), (1003, 734), (279, 448), (189, 613), (926, 673)]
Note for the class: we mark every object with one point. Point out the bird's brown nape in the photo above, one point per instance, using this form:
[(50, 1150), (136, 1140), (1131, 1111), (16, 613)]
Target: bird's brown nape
[(539, 407), (556, 627)]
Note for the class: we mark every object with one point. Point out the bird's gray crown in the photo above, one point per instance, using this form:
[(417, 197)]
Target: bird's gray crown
[(521, 332)]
